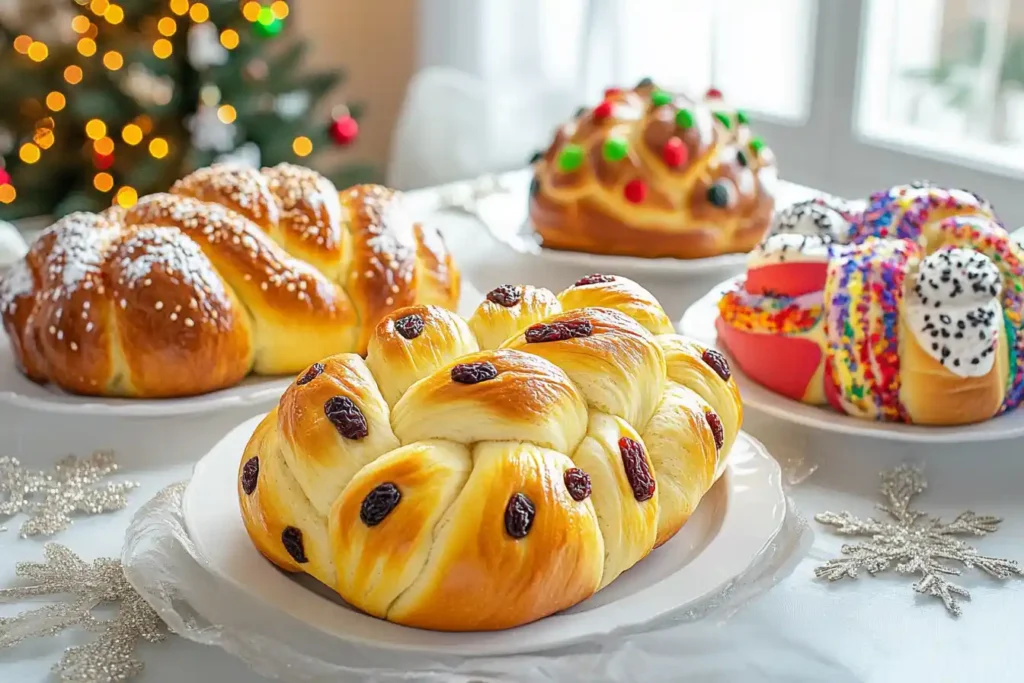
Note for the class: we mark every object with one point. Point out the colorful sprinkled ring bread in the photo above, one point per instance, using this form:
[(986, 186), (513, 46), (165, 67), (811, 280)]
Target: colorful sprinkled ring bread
[(909, 312), (652, 173)]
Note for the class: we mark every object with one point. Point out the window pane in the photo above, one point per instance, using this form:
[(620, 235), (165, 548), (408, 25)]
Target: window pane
[(763, 54), (946, 76), (759, 53)]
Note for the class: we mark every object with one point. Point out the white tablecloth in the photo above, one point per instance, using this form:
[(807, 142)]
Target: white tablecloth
[(873, 629)]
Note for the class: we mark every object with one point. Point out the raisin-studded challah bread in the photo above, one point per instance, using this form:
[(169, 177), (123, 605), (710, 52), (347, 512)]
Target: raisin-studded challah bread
[(654, 173), (451, 483), (908, 309), (234, 271)]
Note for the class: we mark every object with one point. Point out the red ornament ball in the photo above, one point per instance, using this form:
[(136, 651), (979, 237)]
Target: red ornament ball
[(102, 161), (344, 130), (603, 111), (636, 191), (5, 177), (713, 94), (675, 153)]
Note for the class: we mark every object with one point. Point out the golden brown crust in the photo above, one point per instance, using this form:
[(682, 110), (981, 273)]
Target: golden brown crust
[(618, 367), (619, 294), (382, 276), (493, 322), (529, 399), (717, 198), (491, 494), (430, 338), (235, 270)]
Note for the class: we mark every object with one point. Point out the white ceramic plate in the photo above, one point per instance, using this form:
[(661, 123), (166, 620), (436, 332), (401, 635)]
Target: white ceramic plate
[(733, 525), (16, 390), (699, 322), (505, 216)]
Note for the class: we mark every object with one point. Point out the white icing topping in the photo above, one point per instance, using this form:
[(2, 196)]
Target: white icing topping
[(789, 248), (954, 310), (16, 282), (812, 217)]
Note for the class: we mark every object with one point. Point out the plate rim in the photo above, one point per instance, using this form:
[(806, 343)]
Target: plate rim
[(704, 312), (753, 522)]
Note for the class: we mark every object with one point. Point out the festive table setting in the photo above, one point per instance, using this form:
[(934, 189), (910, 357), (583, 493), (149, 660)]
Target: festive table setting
[(533, 435)]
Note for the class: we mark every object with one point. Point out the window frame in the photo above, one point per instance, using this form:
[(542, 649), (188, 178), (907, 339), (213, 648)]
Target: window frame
[(829, 151)]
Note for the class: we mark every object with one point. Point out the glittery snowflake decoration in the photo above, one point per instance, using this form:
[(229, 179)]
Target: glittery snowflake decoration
[(51, 498), (914, 542), (87, 586)]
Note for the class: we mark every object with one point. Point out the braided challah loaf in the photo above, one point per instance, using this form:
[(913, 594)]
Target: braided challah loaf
[(651, 173), (907, 308), (235, 270), (446, 487)]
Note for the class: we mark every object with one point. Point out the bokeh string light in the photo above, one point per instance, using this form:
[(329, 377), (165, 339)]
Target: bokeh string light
[(87, 26)]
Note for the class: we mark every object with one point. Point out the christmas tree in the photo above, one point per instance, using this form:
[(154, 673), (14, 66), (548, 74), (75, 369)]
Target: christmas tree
[(104, 101)]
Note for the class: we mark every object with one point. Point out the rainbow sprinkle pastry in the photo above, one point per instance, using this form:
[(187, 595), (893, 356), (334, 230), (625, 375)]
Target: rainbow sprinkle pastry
[(906, 308)]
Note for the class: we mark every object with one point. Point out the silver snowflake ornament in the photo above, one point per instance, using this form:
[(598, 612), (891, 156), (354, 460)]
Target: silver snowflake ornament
[(914, 542), (86, 586), (51, 498)]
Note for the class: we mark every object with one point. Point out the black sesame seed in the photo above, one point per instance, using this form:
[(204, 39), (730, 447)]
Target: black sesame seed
[(645, 82), (718, 195)]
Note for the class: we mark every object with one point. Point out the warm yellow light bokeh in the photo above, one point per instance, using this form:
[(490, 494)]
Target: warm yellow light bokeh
[(302, 146), (44, 138), (114, 14), (87, 47), (226, 113), (7, 194), (80, 24), (167, 27), (127, 197), (73, 74), (56, 101), (103, 181), (280, 9), (145, 123), (22, 44), (179, 7), (131, 134), (158, 148), (99, 6), (162, 48), (95, 129), (229, 38), (251, 10), (37, 51), (29, 153), (104, 147), (199, 13), (113, 60)]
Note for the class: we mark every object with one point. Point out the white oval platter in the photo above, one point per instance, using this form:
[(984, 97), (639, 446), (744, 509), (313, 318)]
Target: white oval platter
[(732, 527)]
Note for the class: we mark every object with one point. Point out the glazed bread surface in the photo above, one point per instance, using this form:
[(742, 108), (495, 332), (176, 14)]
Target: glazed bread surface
[(653, 173), (458, 484), (233, 271)]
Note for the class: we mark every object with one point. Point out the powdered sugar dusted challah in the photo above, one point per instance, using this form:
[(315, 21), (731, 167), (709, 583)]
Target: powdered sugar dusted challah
[(914, 316), (235, 270), (442, 486), (652, 173)]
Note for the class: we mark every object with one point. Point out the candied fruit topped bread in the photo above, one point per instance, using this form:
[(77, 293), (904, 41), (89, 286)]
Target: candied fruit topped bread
[(482, 474), (903, 308), (234, 271), (653, 173)]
